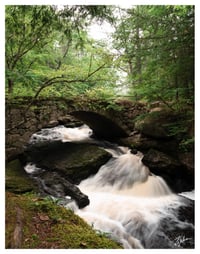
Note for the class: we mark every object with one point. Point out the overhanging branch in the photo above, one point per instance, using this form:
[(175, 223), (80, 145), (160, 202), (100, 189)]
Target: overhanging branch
[(49, 82)]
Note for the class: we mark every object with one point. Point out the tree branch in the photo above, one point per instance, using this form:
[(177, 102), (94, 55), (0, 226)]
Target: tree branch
[(92, 73), (49, 82)]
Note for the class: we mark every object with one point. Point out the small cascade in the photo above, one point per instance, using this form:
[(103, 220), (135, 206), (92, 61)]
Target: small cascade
[(126, 201), (63, 134)]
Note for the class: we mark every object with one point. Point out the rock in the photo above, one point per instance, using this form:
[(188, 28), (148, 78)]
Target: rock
[(11, 153), (52, 124), (181, 237), (69, 121), (187, 159), (186, 212), (53, 184), (156, 159), (17, 181), (74, 161), (156, 124), (144, 143), (170, 168)]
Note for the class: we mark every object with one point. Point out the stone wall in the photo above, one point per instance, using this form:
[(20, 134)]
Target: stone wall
[(20, 125)]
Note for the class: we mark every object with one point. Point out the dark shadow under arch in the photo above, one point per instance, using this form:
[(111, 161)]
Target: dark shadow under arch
[(102, 126)]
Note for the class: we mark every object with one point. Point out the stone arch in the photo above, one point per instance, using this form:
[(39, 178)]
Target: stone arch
[(106, 125)]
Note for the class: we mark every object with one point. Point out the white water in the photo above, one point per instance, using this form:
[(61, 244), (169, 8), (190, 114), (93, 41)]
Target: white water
[(31, 168), (188, 194), (126, 200), (62, 133), (126, 175)]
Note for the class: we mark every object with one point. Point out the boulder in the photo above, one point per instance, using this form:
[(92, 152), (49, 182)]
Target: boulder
[(44, 182), (144, 143), (156, 159), (74, 161), (156, 124), (171, 169), (52, 183)]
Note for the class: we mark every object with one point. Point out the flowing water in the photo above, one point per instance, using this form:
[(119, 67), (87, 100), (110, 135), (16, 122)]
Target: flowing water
[(127, 202), (62, 133)]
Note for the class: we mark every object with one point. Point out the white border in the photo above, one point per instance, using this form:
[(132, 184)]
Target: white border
[(100, 2), (2, 115)]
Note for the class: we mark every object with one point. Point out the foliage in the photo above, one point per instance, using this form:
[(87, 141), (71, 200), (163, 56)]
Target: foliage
[(156, 45), (187, 144), (100, 92), (48, 51)]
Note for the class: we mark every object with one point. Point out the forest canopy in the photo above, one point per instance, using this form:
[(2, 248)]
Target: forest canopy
[(49, 52)]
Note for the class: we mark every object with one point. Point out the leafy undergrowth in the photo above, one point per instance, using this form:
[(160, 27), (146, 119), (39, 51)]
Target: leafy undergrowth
[(33, 222)]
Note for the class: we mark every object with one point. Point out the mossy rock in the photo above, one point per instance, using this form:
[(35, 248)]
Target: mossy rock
[(17, 181), (156, 124), (74, 161), (38, 223)]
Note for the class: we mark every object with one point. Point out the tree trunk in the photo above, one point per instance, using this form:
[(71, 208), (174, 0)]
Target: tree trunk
[(138, 58), (10, 86)]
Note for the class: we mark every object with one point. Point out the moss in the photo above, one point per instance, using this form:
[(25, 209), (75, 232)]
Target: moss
[(17, 180), (46, 225), (75, 161)]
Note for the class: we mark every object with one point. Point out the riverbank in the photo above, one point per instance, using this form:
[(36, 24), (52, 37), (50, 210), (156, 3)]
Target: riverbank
[(33, 222)]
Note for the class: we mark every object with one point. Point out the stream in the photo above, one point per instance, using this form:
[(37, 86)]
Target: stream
[(126, 201)]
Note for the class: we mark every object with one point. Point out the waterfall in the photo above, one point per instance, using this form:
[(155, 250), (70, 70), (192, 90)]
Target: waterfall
[(126, 175), (127, 202), (130, 203)]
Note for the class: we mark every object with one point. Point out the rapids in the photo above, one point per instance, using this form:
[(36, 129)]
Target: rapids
[(62, 133), (127, 202)]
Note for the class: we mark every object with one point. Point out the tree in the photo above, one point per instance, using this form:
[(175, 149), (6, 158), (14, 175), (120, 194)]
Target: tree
[(38, 41), (157, 44), (26, 28)]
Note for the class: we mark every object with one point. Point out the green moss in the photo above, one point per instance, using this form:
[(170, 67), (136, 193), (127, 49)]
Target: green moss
[(17, 180), (46, 225)]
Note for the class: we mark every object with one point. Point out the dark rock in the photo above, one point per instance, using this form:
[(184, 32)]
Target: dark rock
[(184, 237), (156, 159), (74, 161), (187, 159), (175, 174), (144, 143), (186, 212), (53, 184)]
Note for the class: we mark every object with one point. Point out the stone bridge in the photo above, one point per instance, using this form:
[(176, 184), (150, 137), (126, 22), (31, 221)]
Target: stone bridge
[(108, 120)]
